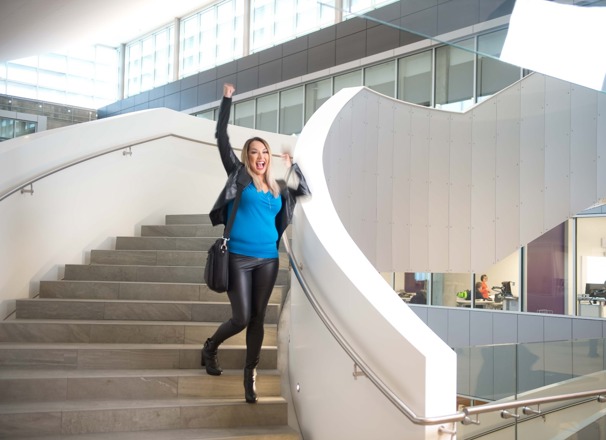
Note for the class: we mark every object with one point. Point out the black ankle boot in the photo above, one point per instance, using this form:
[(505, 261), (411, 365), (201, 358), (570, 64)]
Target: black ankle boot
[(209, 358), (250, 391)]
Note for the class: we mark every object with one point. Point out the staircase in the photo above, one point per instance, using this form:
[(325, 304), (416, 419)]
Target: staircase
[(113, 349)]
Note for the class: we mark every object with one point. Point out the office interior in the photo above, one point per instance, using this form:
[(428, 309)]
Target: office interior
[(562, 272)]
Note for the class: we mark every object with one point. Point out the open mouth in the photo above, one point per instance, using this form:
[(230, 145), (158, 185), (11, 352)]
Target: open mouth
[(260, 165)]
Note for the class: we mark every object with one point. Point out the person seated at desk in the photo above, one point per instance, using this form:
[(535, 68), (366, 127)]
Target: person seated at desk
[(480, 296), (419, 298), (484, 290)]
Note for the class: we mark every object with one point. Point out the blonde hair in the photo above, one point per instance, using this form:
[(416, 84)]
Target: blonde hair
[(269, 179)]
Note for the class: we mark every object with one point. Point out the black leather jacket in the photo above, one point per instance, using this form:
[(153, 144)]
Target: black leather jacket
[(238, 176)]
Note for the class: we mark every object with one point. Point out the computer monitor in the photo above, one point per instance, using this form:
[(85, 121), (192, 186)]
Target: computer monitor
[(506, 290), (594, 289)]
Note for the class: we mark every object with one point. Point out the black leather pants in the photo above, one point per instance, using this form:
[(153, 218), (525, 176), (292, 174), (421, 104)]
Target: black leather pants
[(251, 281)]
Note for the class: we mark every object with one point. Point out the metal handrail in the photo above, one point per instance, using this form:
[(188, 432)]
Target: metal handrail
[(461, 416), (30, 182)]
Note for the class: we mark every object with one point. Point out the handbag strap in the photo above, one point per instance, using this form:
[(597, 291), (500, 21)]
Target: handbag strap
[(232, 215)]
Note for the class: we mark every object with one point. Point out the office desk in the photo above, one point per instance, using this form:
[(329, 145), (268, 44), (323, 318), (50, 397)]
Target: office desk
[(480, 303), (591, 307)]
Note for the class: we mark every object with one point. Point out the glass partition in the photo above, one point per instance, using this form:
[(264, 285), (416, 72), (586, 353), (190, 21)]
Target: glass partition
[(500, 373)]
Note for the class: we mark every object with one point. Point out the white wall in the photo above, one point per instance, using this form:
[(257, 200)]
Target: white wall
[(590, 232), (86, 206)]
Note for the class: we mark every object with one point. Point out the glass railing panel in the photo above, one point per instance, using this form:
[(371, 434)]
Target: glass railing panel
[(588, 356), (572, 55), (501, 373)]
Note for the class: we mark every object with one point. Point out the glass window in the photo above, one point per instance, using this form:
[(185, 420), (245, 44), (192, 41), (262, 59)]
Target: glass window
[(316, 94), (267, 113), (212, 36), (7, 129), (546, 272), (493, 74), (381, 78), (149, 61), (291, 111), (353, 8), (454, 76), (351, 79), (415, 73), (445, 288), (244, 114), (208, 114), (276, 21), (12, 128), (24, 127)]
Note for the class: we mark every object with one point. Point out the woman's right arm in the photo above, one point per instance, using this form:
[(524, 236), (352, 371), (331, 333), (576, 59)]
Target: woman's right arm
[(228, 157)]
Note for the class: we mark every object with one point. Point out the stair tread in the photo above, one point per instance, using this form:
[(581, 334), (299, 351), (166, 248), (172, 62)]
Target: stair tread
[(103, 345), (11, 374), (110, 322), (184, 434), (95, 405), (123, 301), (133, 282)]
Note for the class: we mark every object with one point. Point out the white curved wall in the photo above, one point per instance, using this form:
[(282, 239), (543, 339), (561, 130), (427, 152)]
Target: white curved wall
[(413, 362), (86, 206)]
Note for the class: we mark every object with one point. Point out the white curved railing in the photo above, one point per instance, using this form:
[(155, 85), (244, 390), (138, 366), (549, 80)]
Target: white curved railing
[(412, 362)]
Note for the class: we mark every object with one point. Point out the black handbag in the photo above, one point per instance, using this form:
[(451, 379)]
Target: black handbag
[(216, 271)]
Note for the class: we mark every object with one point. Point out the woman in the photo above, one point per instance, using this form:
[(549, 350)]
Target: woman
[(265, 211)]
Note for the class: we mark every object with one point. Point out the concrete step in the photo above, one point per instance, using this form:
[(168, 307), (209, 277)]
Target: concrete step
[(280, 432), (182, 230), (89, 356), (169, 243), (138, 291), (19, 386), (156, 258), (187, 219), (165, 243), (189, 311), (157, 274), (149, 258), (78, 417), (118, 332)]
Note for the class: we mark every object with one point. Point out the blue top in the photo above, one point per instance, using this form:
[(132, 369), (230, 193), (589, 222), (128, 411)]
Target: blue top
[(254, 231)]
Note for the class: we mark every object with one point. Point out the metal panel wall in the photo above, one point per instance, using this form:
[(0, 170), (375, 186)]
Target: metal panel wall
[(401, 193), (601, 145), (557, 152), (424, 190), (385, 170), (532, 158), (459, 208), (583, 157), (507, 182), (483, 170), (438, 184), (419, 189)]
